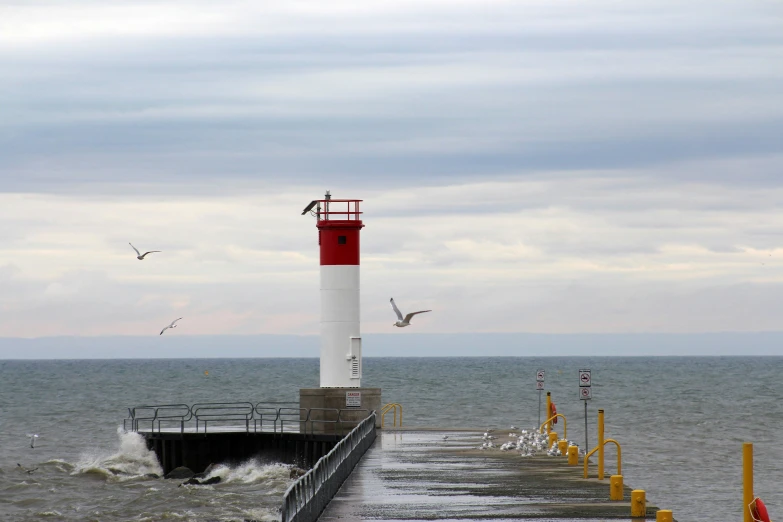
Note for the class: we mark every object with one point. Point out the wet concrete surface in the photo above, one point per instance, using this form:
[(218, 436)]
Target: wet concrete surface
[(416, 475)]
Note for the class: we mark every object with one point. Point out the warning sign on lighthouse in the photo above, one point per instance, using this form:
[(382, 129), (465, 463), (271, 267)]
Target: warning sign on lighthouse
[(353, 399)]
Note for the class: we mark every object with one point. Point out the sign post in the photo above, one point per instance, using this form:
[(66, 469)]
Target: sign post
[(540, 388), (585, 394)]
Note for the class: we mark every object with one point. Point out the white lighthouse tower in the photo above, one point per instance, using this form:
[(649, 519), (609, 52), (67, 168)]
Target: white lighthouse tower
[(339, 228)]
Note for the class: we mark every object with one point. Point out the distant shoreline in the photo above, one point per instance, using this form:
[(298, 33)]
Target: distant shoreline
[(739, 344)]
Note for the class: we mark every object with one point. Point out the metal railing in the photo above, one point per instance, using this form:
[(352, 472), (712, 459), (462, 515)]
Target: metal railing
[(392, 406), (306, 498), (262, 417), (230, 412), (161, 413), (323, 412), (553, 417), (619, 456)]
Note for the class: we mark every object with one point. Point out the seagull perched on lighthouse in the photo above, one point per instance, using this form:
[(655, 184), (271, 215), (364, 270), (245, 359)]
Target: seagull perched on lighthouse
[(139, 255), (407, 320), (172, 325)]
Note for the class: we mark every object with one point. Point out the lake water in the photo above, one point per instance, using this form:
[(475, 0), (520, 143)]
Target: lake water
[(681, 422)]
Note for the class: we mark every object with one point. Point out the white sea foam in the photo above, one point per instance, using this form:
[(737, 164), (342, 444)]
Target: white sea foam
[(261, 514), (273, 476), (131, 460)]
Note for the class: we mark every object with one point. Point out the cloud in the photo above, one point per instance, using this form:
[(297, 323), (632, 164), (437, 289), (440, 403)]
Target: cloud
[(98, 96), (561, 255), (526, 166)]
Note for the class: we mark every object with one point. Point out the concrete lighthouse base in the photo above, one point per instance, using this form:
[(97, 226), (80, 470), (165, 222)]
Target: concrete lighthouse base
[(362, 400)]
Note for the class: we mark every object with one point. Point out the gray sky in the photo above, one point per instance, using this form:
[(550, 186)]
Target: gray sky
[(553, 167)]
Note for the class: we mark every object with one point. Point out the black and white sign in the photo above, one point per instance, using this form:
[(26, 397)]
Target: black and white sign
[(353, 399), (540, 376), (540, 385), (584, 378), (586, 393)]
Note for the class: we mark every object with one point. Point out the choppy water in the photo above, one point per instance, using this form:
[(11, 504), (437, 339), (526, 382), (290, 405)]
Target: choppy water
[(681, 422)]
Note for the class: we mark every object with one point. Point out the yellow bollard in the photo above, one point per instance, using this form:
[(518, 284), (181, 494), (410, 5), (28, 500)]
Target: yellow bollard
[(548, 411), (638, 503), (552, 439), (663, 515), (562, 445), (616, 487), (747, 480), (600, 444), (573, 455)]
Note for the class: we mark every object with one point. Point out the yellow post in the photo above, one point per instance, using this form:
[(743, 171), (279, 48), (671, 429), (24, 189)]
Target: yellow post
[(600, 444), (548, 411), (552, 439), (616, 487), (663, 515), (573, 455), (562, 445), (747, 480), (638, 503)]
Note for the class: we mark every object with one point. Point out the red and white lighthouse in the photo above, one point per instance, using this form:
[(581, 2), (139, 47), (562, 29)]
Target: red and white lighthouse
[(339, 226)]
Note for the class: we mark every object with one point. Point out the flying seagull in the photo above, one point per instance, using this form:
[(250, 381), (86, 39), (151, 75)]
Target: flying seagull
[(32, 436), (172, 325), (139, 255), (407, 321), (25, 469)]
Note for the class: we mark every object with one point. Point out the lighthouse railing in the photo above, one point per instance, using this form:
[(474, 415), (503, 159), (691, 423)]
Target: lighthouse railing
[(305, 499)]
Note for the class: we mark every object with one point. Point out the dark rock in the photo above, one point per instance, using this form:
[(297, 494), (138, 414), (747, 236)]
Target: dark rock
[(296, 472), (180, 473), (196, 482), (152, 476)]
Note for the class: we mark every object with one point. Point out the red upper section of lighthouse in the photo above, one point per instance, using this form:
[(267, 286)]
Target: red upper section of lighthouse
[(339, 225)]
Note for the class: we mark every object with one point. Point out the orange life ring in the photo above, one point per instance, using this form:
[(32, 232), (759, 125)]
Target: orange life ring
[(759, 511), (554, 412)]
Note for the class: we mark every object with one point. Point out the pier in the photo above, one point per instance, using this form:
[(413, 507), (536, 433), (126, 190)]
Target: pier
[(417, 475), (359, 472)]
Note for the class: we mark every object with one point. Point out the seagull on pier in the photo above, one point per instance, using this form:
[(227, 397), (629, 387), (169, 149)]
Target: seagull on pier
[(172, 325), (32, 436), (139, 255), (407, 320)]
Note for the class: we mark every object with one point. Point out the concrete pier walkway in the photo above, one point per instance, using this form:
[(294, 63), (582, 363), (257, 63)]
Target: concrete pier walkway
[(416, 475)]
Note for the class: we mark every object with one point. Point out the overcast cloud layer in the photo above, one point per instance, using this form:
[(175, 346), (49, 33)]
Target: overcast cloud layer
[(553, 167)]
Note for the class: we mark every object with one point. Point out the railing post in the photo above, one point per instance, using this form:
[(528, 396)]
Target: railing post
[(638, 503), (616, 487), (747, 480), (573, 455), (548, 411), (600, 444)]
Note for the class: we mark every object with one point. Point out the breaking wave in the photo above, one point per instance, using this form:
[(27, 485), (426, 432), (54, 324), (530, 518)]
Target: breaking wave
[(131, 460), (275, 477)]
